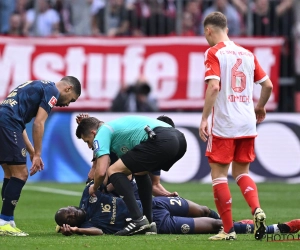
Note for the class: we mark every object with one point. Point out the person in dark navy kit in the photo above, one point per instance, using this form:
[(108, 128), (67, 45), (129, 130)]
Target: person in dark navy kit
[(28, 100), (107, 214)]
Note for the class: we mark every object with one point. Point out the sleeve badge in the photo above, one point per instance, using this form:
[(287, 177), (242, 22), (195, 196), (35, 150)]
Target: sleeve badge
[(52, 101)]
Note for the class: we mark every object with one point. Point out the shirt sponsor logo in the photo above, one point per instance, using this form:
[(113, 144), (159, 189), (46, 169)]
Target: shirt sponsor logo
[(52, 101)]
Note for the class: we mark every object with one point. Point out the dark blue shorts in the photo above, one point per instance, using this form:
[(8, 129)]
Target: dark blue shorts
[(161, 153), (12, 147), (170, 213)]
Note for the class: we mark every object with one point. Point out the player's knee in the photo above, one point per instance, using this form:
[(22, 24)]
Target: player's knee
[(204, 211), (20, 172), (217, 225), (22, 176)]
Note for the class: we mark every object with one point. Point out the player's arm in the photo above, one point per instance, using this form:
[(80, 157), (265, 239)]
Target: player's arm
[(37, 134), (89, 231), (28, 144), (81, 116), (102, 164), (158, 189), (212, 91), (67, 230), (266, 91), (91, 173), (211, 94)]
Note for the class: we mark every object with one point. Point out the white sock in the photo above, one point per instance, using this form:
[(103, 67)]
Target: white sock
[(276, 229), (12, 223), (3, 222)]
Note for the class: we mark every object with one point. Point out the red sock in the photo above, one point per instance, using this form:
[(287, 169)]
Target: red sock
[(223, 202), (249, 191)]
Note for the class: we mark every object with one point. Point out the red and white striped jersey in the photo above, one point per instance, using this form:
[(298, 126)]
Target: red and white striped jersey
[(237, 69)]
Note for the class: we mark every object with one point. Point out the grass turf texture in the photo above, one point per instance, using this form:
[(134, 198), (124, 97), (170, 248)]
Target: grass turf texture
[(36, 209)]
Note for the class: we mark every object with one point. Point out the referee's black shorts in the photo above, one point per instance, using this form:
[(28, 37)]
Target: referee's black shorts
[(159, 153)]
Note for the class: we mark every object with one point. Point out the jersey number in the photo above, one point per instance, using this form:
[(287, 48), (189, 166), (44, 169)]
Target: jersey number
[(173, 201), (15, 91), (24, 84), (238, 78)]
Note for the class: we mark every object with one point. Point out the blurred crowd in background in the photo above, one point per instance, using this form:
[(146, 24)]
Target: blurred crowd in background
[(125, 18)]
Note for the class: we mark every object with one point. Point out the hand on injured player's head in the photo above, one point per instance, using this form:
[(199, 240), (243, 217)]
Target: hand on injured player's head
[(81, 116)]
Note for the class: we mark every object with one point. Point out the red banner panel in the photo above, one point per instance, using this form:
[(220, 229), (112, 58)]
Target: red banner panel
[(173, 66)]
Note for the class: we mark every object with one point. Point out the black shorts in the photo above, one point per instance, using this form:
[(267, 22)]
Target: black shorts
[(155, 154), (12, 147)]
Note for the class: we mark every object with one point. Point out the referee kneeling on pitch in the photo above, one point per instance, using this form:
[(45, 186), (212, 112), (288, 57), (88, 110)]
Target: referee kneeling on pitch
[(142, 144)]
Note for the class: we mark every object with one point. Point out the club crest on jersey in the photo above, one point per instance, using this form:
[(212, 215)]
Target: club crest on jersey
[(185, 228), (52, 101), (96, 146), (93, 199), (124, 149), (23, 151)]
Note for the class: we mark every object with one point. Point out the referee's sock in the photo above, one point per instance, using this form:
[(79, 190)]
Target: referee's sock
[(145, 192), (124, 188)]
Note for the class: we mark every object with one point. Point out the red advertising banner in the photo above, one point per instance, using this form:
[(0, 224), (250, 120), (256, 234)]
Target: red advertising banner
[(174, 66)]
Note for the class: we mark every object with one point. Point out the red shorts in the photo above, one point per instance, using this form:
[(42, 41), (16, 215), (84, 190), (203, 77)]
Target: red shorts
[(225, 151)]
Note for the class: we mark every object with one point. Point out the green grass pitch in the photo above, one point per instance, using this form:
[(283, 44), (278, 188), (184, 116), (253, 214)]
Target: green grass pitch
[(38, 204)]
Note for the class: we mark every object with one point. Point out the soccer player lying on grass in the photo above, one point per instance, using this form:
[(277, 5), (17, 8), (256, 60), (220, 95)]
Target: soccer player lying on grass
[(106, 214)]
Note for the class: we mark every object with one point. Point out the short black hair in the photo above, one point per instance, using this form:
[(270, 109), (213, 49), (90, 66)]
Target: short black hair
[(217, 19), (166, 119), (74, 82), (86, 125), (61, 217)]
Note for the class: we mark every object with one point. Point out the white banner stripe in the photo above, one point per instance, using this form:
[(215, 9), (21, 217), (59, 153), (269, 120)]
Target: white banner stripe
[(52, 190), (97, 41)]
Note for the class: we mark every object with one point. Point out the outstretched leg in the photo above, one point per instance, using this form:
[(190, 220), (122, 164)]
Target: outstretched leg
[(196, 210), (205, 225)]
